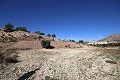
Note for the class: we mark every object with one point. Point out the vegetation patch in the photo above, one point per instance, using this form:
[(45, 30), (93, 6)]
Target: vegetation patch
[(39, 38), (45, 44), (9, 56), (112, 62), (10, 28), (117, 57), (111, 51), (11, 59), (49, 78), (21, 29)]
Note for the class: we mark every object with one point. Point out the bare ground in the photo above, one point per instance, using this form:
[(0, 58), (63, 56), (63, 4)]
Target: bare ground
[(64, 64)]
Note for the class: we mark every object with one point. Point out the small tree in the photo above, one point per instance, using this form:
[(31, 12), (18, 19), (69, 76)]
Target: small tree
[(53, 36), (49, 35), (37, 32), (72, 40), (9, 28), (40, 33), (81, 41)]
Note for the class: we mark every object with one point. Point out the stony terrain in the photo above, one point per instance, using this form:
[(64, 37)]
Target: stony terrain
[(24, 40), (87, 63)]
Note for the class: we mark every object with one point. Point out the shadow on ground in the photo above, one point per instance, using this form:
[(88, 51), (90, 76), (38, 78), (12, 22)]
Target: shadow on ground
[(27, 75)]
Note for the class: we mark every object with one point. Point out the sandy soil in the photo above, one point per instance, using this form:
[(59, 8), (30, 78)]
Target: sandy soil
[(63, 64)]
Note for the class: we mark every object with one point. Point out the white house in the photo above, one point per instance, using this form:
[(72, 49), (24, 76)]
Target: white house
[(100, 42)]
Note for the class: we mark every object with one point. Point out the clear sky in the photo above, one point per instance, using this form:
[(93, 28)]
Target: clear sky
[(80, 19)]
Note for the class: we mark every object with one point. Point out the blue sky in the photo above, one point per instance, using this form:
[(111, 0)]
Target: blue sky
[(80, 19)]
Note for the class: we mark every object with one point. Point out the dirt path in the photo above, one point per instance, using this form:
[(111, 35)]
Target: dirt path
[(78, 64), (63, 64)]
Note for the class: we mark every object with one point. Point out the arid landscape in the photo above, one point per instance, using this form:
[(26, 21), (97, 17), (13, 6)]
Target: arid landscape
[(60, 40), (30, 56), (87, 63)]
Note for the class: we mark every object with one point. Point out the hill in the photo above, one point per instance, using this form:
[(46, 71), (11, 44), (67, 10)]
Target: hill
[(114, 37), (27, 40)]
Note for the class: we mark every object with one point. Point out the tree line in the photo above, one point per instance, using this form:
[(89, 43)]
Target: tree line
[(10, 28), (41, 33)]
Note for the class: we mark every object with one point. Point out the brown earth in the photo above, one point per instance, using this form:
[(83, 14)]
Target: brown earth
[(87, 63), (25, 40), (64, 44), (35, 44), (27, 45)]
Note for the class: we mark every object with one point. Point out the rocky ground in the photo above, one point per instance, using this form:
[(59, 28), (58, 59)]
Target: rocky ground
[(65, 64)]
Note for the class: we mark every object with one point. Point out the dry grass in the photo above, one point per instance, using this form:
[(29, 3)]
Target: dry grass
[(112, 51), (114, 54)]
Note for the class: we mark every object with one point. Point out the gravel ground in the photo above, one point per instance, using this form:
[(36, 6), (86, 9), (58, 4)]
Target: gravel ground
[(63, 64)]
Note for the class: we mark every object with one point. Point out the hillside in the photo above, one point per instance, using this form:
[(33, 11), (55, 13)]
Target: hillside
[(114, 37), (27, 40), (21, 35)]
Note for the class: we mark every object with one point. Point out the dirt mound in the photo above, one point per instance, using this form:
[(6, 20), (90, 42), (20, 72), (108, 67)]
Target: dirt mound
[(64, 44), (37, 44)]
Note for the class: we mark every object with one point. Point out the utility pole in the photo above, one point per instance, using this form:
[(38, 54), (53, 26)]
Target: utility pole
[(71, 38)]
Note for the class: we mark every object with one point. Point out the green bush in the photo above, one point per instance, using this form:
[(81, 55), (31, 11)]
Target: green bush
[(39, 38), (72, 40), (49, 35), (21, 29), (45, 44), (10, 28), (81, 41), (53, 35)]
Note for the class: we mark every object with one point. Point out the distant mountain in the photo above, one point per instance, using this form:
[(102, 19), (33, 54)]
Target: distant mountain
[(114, 37)]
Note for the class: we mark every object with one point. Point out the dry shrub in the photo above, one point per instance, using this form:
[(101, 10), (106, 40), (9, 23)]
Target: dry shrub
[(8, 56), (1, 58), (11, 58)]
